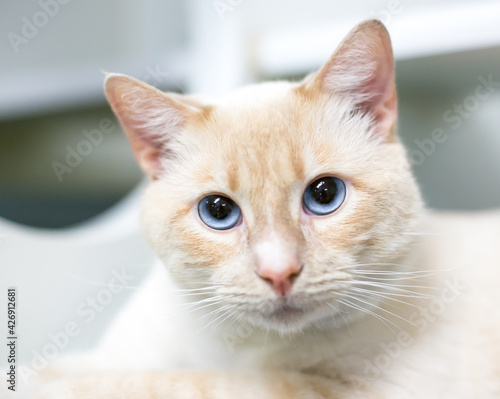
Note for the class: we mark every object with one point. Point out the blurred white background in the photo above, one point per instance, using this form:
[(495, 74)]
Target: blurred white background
[(54, 52)]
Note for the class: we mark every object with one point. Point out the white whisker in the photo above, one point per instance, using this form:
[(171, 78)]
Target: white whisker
[(383, 296), (379, 308), (347, 303)]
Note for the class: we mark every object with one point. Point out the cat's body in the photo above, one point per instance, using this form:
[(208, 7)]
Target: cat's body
[(373, 299), (450, 352)]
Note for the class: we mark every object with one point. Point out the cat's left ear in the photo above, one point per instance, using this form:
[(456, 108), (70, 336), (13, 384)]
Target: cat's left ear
[(362, 70)]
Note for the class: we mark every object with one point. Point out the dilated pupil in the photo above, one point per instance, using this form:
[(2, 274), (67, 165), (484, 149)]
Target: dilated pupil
[(324, 191), (219, 207)]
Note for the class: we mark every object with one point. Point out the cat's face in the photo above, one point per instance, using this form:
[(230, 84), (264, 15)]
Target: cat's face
[(278, 199)]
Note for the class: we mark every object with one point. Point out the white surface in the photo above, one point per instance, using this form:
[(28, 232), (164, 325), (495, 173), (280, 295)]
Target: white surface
[(56, 272)]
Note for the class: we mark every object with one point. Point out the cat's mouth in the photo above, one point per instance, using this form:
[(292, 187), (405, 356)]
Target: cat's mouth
[(285, 317), (286, 311), (293, 314)]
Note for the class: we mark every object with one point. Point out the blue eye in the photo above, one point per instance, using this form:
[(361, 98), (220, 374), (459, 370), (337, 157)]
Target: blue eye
[(219, 212), (324, 195)]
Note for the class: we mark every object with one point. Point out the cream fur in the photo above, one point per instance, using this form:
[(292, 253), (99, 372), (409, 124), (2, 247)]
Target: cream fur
[(392, 302)]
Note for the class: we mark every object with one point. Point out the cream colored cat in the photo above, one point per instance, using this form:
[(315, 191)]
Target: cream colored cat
[(296, 258)]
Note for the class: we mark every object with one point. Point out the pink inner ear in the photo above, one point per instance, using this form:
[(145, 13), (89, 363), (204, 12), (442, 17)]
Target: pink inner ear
[(384, 112), (149, 118), (381, 94), (362, 70), (148, 154)]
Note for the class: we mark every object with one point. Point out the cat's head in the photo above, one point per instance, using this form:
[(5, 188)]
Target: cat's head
[(277, 199)]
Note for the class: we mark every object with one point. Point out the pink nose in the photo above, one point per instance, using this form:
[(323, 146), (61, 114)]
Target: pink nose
[(280, 281)]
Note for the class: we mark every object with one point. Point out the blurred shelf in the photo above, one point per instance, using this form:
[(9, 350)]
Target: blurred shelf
[(29, 95), (440, 29)]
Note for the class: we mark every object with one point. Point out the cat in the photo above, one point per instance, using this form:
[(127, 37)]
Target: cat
[(296, 257)]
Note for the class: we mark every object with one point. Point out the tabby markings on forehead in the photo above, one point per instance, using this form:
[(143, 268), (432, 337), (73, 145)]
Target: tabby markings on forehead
[(233, 179)]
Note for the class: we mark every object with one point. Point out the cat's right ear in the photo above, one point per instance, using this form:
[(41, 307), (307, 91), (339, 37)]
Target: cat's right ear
[(149, 117)]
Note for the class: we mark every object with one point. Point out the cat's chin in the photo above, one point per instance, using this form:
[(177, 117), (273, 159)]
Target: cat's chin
[(286, 319)]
